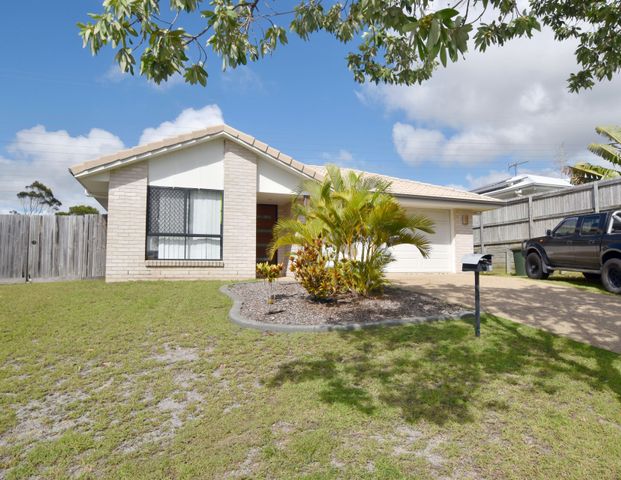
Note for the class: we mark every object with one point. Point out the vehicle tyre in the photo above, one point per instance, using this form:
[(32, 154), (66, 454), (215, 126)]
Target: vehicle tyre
[(534, 267), (592, 277), (611, 275)]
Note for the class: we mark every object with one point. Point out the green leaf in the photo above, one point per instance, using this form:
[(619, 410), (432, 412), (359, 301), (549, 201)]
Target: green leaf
[(446, 13), (434, 34), (409, 27), (443, 56)]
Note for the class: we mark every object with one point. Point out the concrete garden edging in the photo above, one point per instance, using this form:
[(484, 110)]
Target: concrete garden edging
[(236, 317)]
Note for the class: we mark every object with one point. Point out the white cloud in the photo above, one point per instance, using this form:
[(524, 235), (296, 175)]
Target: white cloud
[(39, 154), (187, 121), (243, 79), (510, 101), (114, 75), (416, 145), (340, 157)]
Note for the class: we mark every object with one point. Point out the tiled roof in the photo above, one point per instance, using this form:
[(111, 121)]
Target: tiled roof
[(399, 187), (110, 161), (412, 188)]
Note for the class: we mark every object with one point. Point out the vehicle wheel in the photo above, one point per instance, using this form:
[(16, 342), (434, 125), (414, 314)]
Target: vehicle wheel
[(592, 277), (611, 275), (534, 267)]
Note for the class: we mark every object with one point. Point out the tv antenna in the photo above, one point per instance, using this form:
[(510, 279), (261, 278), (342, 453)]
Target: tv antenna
[(515, 166)]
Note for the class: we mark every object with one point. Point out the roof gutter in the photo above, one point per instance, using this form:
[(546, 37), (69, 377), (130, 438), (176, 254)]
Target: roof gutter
[(478, 203)]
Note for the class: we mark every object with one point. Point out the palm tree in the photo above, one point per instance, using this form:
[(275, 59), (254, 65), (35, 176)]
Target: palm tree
[(586, 172), (356, 219)]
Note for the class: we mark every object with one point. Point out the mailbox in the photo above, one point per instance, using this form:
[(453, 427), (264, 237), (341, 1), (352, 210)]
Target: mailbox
[(476, 262)]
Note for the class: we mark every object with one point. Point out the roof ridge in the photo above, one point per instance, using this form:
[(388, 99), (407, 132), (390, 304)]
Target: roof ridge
[(223, 128), (418, 182)]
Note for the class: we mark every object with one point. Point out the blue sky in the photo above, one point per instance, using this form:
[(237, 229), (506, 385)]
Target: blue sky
[(461, 128)]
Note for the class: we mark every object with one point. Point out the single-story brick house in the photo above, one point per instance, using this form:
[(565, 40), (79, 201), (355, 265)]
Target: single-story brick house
[(202, 205)]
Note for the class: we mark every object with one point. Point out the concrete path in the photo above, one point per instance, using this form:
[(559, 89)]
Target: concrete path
[(587, 317)]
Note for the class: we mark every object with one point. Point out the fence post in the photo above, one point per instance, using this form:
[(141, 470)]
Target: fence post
[(481, 241), (531, 225), (596, 197), (27, 273)]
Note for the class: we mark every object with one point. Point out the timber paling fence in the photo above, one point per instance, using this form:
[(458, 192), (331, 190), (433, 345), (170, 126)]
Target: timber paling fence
[(50, 247), (500, 231)]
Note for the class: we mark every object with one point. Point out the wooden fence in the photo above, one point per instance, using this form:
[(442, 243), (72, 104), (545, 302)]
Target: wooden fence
[(501, 230), (48, 247)]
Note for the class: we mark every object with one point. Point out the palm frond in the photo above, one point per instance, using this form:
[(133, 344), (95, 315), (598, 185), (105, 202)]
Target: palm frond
[(610, 153), (584, 172), (613, 132)]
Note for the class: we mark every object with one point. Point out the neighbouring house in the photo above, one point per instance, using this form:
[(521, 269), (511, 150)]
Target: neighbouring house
[(202, 205), (522, 185)]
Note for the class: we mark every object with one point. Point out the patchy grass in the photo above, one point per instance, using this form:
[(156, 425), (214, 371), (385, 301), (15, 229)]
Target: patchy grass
[(150, 380), (577, 280), (570, 279)]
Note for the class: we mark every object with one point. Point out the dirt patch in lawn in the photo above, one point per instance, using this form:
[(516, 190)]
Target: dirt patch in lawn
[(293, 306)]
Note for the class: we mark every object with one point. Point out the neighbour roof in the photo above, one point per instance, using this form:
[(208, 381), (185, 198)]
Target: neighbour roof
[(400, 186), (523, 180)]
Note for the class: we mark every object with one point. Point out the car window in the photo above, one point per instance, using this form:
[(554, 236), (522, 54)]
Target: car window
[(568, 227), (590, 225)]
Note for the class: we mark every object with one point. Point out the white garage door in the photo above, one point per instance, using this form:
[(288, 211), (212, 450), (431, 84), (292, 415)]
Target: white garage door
[(407, 257)]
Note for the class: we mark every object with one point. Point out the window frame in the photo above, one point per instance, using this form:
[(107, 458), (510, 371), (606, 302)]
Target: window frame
[(186, 221), (581, 233), (611, 230), (558, 227)]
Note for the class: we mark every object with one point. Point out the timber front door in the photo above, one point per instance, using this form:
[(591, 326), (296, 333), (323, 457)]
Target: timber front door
[(267, 216)]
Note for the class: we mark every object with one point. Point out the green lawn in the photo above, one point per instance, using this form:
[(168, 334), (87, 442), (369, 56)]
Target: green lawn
[(150, 380)]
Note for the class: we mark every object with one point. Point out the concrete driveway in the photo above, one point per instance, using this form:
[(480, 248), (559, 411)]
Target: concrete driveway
[(587, 317)]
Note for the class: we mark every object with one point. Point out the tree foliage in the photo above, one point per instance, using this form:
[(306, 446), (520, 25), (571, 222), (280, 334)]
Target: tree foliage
[(38, 199), (80, 210), (586, 172), (397, 41), (347, 222)]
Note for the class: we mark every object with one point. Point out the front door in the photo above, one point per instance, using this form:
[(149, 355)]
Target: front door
[(267, 216)]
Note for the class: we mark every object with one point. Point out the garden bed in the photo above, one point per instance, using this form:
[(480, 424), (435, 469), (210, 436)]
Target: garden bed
[(293, 306)]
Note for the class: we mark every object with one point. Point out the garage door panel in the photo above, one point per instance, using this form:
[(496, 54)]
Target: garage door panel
[(408, 258)]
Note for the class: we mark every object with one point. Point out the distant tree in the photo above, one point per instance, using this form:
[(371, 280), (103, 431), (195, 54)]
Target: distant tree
[(585, 172), (398, 42), (38, 199), (80, 210)]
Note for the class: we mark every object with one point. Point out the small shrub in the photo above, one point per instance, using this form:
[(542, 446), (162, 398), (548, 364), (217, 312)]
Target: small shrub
[(365, 278), (311, 266), (270, 272)]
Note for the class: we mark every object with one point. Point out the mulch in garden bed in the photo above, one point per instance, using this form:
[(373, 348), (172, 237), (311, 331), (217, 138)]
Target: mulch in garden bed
[(293, 306)]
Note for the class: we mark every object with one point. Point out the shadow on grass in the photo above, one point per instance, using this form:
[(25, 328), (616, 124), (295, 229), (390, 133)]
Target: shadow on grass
[(436, 371)]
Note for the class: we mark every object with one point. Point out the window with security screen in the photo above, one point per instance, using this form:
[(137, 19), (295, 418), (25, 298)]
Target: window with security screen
[(184, 224)]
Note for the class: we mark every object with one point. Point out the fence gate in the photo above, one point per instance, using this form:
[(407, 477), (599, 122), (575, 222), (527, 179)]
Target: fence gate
[(49, 247)]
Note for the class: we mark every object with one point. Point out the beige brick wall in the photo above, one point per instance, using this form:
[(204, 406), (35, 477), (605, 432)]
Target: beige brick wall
[(464, 242), (127, 220), (127, 201), (240, 211)]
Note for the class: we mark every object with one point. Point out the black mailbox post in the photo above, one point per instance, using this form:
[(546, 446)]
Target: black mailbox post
[(476, 262)]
